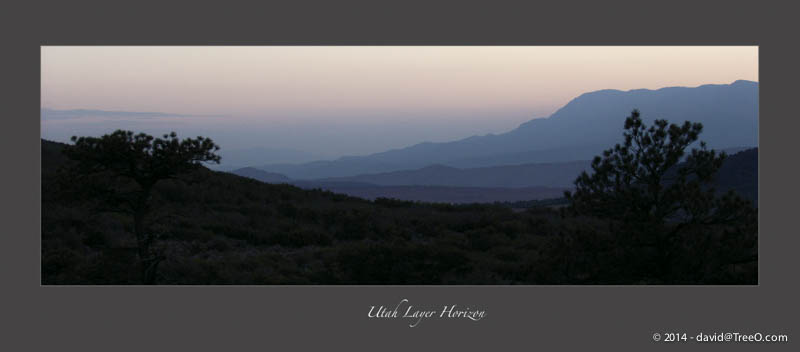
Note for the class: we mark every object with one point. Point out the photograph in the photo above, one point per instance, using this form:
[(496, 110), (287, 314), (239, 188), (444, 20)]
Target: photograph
[(412, 165)]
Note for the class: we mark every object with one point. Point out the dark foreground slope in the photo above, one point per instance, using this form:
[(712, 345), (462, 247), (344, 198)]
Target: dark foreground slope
[(739, 173), (227, 229)]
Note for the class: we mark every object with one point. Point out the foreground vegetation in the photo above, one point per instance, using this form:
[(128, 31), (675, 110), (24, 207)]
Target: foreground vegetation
[(130, 209), (226, 229)]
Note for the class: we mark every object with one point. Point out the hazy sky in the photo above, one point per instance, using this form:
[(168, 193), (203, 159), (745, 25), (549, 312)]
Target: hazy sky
[(338, 100)]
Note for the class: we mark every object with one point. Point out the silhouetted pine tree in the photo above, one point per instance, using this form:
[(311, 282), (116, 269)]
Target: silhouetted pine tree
[(121, 169), (656, 193)]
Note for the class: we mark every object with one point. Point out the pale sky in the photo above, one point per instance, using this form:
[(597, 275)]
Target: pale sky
[(324, 97)]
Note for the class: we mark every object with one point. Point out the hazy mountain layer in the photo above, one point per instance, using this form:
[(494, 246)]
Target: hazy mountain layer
[(507, 183), (581, 129), (513, 176)]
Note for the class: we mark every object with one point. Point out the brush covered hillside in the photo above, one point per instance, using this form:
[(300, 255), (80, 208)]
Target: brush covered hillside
[(739, 173), (226, 229)]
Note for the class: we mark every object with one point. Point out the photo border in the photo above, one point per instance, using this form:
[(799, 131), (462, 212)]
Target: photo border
[(530, 317)]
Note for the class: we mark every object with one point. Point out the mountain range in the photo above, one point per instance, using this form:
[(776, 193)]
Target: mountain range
[(239, 158), (508, 183), (508, 176), (581, 129)]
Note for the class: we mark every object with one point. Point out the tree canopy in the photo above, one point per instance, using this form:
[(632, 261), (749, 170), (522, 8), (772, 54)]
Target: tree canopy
[(122, 168), (647, 179), (140, 157), (661, 201)]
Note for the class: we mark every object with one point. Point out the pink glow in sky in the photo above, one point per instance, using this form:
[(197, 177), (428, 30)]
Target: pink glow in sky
[(471, 89), (312, 80)]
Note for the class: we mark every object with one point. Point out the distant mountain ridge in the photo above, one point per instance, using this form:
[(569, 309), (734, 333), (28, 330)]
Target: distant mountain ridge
[(239, 158), (509, 176), (507, 183), (438, 194), (739, 172), (54, 114), (561, 174), (261, 175), (581, 129)]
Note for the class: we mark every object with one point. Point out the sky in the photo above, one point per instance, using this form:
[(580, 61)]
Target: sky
[(329, 101)]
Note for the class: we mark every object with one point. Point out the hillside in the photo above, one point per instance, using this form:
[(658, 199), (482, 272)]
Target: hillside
[(227, 229), (739, 173), (581, 129)]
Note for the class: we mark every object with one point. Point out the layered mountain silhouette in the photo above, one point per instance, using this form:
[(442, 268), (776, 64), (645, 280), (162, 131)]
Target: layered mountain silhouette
[(561, 174), (508, 183), (433, 189), (437, 194), (261, 175), (580, 130), (238, 158), (509, 176)]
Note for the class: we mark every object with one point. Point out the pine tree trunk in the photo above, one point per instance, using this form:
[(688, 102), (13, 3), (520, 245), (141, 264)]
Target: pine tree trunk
[(147, 261)]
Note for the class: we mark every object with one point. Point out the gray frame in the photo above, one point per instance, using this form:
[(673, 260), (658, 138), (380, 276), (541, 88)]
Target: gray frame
[(521, 317)]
